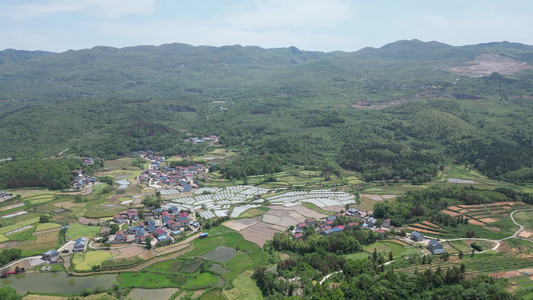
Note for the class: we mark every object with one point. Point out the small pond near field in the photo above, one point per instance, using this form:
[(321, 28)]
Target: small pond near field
[(148, 294), (221, 254), (57, 283)]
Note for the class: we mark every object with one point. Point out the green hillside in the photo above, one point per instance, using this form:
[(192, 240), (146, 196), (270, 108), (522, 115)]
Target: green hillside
[(397, 112)]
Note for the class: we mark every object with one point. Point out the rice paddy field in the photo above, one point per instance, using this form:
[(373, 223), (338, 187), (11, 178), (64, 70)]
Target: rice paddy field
[(85, 261)]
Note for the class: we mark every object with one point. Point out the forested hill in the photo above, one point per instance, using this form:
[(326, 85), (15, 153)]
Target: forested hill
[(399, 112), (12, 55)]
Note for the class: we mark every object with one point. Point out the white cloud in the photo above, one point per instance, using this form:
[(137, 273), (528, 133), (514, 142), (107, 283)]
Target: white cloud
[(474, 28), (297, 13), (103, 8)]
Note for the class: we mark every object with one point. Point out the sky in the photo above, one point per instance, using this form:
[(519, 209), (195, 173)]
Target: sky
[(313, 25)]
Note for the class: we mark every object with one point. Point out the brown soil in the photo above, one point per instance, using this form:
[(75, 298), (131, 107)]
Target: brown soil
[(258, 233), (486, 64), (506, 274), (309, 213), (334, 208), (372, 197), (525, 234), (241, 224), (129, 252), (422, 230), (450, 213), (504, 204), (488, 220), (474, 222), (86, 221), (427, 223), (421, 226), (454, 208)]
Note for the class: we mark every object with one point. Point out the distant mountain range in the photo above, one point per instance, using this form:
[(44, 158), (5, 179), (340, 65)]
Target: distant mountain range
[(174, 69)]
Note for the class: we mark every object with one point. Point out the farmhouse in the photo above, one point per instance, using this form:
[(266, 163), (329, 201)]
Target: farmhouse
[(416, 236), (120, 237), (80, 244), (386, 224), (352, 212), (51, 256), (132, 214), (435, 247), (371, 222)]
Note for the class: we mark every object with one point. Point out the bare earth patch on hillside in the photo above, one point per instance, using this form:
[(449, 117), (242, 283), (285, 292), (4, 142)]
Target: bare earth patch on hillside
[(474, 222), (486, 64)]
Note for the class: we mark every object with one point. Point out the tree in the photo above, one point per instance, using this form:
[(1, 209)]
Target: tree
[(461, 254), (148, 241), (114, 229), (44, 219)]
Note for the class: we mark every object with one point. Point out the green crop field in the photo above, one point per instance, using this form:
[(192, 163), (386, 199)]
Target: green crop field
[(77, 230), (85, 261), (149, 280), (202, 279), (45, 226)]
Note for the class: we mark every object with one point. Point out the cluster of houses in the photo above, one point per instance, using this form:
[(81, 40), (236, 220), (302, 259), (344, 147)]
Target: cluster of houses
[(141, 153), (82, 181), (369, 221), (179, 177), (89, 161), (202, 139), (325, 226), (433, 246), (161, 225)]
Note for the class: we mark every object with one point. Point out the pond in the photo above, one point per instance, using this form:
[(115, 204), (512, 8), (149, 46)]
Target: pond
[(221, 254), (140, 294), (57, 283), (219, 269)]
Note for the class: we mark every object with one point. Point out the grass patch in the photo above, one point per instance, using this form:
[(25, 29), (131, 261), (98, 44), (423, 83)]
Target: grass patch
[(3, 238), (203, 279), (169, 266), (77, 230), (239, 263), (245, 288), (191, 265), (247, 246), (23, 235), (219, 236), (150, 280), (382, 247), (45, 226), (213, 295)]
